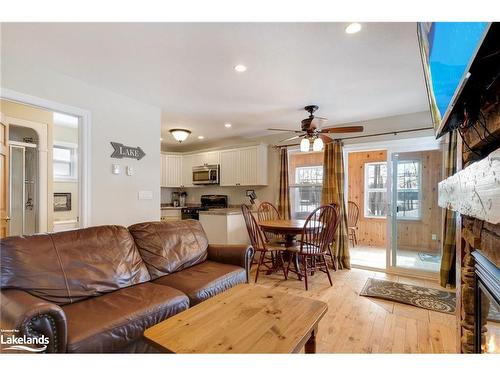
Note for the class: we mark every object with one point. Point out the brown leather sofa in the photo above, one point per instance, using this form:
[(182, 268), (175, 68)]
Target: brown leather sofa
[(96, 290)]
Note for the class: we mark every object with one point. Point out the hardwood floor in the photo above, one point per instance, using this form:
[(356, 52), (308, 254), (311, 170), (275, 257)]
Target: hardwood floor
[(356, 324)]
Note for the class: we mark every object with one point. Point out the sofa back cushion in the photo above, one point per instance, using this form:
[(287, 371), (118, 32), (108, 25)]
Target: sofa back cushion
[(70, 266), (168, 247)]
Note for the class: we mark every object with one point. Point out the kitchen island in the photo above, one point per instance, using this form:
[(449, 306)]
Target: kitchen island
[(224, 226)]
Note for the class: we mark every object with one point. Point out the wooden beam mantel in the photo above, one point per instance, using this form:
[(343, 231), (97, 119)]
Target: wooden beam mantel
[(475, 190)]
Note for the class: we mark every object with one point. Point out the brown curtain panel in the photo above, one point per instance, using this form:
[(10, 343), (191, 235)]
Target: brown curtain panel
[(447, 272), (333, 192), (284, 193)]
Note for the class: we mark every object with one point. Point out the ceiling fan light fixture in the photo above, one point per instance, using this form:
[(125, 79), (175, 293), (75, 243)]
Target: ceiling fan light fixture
[(304, 145), (180, 135), (318, 144)]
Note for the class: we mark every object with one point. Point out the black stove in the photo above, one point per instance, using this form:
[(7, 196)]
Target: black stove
[(207, 202)]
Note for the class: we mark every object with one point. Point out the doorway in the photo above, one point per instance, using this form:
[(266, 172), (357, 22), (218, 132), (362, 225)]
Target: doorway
[(393, 185), (43, 166)]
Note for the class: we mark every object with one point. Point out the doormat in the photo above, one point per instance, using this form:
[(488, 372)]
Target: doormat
[(426, 298), (429, 257)]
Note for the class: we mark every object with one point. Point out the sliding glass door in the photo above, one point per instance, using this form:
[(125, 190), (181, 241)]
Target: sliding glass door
[(415, 217)]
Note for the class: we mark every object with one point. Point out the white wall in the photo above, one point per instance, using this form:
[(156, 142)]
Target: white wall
[(114, 199)]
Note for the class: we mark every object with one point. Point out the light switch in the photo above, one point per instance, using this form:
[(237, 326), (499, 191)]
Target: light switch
[(145, 195), (116, 169), (130, 171)]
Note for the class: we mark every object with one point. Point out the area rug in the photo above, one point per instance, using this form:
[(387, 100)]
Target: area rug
[(429, 257), (426, 298)]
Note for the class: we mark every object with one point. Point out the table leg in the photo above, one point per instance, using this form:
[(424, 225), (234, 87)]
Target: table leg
[(290, 241), (310, 346)]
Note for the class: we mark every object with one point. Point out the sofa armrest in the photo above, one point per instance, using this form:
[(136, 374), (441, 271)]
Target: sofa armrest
[(239, 255), (33, 317)]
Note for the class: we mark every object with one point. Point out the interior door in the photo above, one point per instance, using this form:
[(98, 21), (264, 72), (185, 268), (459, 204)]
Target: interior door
[(4, 178)]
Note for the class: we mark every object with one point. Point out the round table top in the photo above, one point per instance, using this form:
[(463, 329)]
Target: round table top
[(283, 226)]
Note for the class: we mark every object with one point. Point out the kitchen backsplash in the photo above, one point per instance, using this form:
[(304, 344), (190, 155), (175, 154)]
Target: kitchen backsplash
[(236, 194)]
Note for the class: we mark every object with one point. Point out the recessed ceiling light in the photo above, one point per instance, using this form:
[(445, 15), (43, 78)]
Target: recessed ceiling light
[(228, 125), (201, 137), (240, 68), (161, 139), (353, 28)]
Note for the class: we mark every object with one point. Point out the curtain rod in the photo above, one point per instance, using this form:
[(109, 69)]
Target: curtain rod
[(366, 135)]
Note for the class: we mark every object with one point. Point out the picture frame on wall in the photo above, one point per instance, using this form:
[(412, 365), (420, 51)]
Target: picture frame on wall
[(62, 201)]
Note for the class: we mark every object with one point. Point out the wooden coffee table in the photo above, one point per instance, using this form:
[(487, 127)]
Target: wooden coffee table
[(245, 319)]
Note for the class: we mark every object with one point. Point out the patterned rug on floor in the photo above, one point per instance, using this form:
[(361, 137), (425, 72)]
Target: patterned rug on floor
[(426, 298)]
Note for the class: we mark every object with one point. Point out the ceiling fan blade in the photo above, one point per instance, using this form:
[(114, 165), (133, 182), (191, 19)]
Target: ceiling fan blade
[(285, 130), (291, 138), (326, 139), (343, 129)]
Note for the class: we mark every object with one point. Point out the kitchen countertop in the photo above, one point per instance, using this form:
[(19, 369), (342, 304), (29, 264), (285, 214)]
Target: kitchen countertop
[(222, 211)]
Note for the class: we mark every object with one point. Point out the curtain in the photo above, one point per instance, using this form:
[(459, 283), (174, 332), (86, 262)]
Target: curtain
[(333, 192), (447, 272), (284, 193)]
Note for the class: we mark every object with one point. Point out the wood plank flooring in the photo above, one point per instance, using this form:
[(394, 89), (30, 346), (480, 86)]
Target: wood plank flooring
[(356, 324)]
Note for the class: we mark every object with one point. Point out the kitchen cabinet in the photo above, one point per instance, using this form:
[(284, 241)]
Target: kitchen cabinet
[(188, 162), (171, 170), (224, 229), (209, 158), (171, 214), (245, 166)]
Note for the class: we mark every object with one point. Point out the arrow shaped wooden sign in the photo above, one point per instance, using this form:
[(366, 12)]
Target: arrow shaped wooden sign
[(121, 151)]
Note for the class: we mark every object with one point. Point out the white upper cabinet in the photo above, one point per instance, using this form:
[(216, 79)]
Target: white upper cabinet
[(188, 162), (229, 164), (171, 170), (244, 166), (206, 158)]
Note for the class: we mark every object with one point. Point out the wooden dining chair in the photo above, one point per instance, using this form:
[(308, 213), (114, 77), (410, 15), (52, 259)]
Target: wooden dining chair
[(331, 248), (265, 248), (352, 222), (315, 238), (268, 211)]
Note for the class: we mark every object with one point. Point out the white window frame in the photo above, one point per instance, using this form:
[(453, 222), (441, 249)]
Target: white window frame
[(377, 190), (419, 217), (73, 147)]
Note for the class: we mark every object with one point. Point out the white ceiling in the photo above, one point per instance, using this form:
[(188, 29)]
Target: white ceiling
[(186, 69)]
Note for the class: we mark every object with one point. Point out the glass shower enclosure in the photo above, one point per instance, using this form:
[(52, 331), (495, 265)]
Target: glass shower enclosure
[(23, 188)]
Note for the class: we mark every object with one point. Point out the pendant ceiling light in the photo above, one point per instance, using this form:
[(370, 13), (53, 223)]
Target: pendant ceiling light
[(304, 145), (318, 144), (180, 135)]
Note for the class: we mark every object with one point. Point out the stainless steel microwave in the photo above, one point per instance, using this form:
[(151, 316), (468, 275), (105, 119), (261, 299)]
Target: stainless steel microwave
[(206, 175)]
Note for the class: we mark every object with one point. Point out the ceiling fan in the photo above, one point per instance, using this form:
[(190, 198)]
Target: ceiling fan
[(311, 129)]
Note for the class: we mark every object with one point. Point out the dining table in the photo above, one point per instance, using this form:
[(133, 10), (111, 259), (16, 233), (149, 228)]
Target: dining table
[(289, 229)]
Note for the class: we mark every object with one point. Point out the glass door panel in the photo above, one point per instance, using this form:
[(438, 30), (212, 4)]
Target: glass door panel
[(415, 214)]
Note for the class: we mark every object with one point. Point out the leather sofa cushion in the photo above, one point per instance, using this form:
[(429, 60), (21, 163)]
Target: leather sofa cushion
[(168, 247), (204, 280), (70, 266), (112, 322)]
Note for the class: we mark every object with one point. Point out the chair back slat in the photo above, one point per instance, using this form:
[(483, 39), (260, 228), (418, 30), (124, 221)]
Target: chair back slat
[(352, 214), (268, 211), (319, 230), (254, 232)]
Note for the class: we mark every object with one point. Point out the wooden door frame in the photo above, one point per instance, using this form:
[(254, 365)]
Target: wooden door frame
[(84, 149)]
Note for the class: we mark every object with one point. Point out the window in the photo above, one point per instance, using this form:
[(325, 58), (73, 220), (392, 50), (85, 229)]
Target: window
[(306, 182), (64, 162), (376, 189), (408, 189)]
